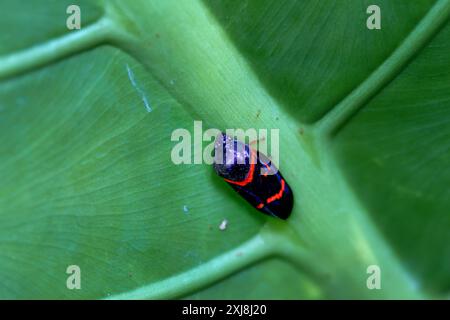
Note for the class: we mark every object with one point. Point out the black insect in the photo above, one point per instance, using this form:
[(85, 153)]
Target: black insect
[(252, 175)]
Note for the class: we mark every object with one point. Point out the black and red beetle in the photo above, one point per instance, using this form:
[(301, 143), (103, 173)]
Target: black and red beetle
[(252, 175)]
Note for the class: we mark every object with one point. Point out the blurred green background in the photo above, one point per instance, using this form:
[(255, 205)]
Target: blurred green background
[(86, 174)]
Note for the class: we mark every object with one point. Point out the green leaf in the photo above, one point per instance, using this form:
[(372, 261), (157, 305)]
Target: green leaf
[(87, 115)]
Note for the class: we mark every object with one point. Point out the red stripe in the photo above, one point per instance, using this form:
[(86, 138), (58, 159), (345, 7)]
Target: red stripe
[(278, 195), (268, 169)]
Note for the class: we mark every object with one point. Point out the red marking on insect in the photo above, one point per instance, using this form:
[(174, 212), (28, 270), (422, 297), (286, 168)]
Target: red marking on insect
[(249, 176), (268, 169), (277, 195), (259, 206)]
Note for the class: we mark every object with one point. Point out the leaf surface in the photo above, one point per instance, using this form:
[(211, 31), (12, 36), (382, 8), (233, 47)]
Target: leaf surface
[(87, 178)]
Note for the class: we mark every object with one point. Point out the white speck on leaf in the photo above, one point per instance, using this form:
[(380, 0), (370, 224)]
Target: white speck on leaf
[(223, 225), (138, 89), (185, 209)]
